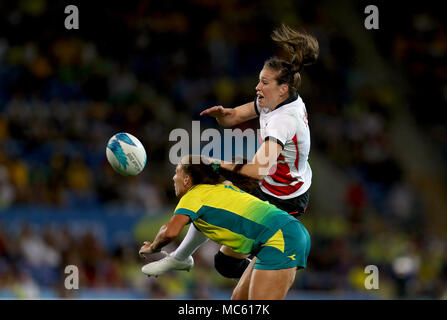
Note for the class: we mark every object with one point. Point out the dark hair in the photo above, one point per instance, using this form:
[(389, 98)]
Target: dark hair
[(202, 171), (302, 50)]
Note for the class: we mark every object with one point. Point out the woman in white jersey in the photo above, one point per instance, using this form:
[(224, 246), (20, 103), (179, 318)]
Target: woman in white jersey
[(281, 161)]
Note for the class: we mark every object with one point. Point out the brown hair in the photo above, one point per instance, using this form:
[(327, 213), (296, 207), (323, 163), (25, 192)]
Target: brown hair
[(202, 171), (302, 50)]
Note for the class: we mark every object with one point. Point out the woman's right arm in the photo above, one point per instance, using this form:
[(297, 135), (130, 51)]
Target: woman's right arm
[(228, 117)]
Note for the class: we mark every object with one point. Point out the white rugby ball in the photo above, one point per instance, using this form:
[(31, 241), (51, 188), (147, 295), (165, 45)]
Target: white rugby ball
[(126, 154)]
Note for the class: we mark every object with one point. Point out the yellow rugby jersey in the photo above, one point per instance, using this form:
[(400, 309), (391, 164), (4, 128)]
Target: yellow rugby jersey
[(232, 217)]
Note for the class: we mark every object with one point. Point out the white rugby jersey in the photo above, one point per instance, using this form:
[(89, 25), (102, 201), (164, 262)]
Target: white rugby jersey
[(287, 124)]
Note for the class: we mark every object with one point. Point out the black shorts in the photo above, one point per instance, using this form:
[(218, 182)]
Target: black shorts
[(294, 206)]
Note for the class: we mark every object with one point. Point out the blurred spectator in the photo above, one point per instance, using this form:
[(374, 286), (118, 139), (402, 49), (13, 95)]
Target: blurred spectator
[(7, 191)]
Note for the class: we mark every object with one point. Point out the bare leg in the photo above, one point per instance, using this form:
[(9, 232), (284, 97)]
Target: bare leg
[(242, 288), (270, 284)]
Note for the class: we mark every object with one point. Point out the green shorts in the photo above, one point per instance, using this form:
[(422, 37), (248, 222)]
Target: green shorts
[(288, 248)]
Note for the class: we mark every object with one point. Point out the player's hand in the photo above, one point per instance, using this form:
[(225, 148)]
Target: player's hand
[(145, 249), (217, 111), (208, 160)]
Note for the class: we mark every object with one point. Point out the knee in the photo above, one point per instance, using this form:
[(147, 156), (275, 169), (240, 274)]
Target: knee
[(230, 267)]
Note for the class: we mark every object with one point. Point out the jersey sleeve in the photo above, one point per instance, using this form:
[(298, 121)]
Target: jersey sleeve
[(281, 129), (189, 205)]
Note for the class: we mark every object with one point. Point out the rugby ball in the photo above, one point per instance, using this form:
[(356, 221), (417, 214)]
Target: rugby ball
[(126, 154)]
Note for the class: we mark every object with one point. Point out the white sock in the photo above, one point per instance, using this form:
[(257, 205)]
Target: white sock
[(192, 241)]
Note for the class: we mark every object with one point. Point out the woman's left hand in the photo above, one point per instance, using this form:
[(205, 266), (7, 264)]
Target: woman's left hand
[(146, 249)]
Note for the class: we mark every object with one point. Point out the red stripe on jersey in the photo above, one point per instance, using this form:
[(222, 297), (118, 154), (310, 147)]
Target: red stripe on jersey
[(297, 158), (282, 174), (280, 179), (282, 190)]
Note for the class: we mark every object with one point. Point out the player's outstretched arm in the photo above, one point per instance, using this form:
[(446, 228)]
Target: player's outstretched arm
[(228, 117), (167, 233)]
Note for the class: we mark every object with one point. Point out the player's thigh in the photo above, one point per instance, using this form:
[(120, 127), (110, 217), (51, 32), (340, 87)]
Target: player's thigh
[(271, 284), (241, 290)]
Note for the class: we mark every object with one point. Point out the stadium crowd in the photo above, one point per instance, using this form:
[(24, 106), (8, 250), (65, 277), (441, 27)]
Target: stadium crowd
[(149, 69)]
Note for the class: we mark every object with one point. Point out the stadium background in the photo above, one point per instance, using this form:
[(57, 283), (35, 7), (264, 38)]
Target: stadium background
[(379, 141)]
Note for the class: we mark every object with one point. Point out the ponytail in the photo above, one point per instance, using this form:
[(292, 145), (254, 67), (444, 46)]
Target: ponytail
[(301, 48)]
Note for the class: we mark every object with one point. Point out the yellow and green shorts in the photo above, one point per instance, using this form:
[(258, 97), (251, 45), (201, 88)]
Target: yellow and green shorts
[(289, 247)]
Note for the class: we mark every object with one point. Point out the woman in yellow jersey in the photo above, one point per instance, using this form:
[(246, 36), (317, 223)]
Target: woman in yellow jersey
[(232, 217)]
